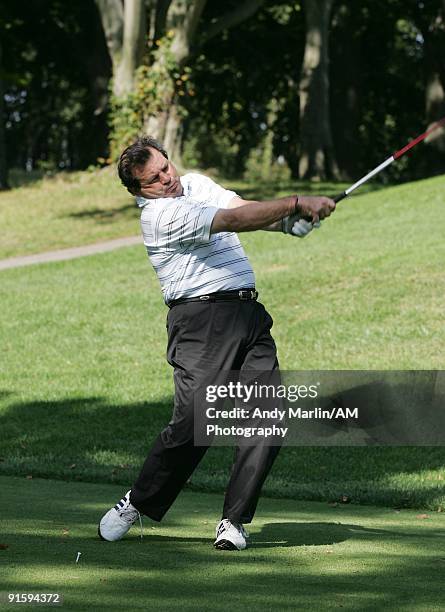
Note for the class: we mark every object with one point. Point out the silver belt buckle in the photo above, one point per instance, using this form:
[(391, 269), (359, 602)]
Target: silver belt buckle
[(204, 298), (251, 294)]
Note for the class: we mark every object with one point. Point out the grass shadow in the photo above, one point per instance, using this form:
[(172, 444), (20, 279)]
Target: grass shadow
[(294, 534), (330, 189), (88, 439), (288, 565), (22, 178), (101, 214)]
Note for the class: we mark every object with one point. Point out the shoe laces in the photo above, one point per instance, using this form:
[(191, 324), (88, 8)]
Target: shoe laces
[(238, 526), (241, 529), (128, 512)]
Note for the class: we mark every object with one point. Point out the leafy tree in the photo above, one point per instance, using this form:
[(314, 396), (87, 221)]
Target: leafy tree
[(317, 158), (234, 83), (377, 70), (378, 84), (430, 18), (149, 51), (247, 80), (55, 72)]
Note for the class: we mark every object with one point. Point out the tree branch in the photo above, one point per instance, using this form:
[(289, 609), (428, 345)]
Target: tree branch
[(183, 18), (133, 45), (232, 18), (112, 17)]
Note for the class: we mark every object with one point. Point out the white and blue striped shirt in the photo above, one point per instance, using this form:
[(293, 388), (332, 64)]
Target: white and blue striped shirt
[(188, 260)]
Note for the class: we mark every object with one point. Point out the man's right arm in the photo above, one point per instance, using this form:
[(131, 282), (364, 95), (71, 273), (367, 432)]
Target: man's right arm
[(251, 216)]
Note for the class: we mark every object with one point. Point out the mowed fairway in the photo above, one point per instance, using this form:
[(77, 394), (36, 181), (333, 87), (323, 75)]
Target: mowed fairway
[(85, 388), (84, 383), (303, 556)]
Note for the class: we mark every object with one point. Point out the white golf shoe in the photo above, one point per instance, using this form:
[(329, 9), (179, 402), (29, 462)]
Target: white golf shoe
[(118, 520), (230, 536)]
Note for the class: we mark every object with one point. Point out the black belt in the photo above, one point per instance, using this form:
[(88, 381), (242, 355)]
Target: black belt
[(237, 294)]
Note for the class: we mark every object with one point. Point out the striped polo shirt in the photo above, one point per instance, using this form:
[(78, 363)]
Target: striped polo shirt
[(188, 260)]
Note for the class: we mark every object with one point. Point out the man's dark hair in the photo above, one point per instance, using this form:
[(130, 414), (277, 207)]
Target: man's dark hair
[(137, 154)]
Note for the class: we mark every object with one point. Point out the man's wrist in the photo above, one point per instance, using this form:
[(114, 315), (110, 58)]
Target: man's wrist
[(293, 210)]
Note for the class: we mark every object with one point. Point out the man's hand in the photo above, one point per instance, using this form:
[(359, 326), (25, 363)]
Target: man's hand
[(314, 208), (308, 213), (295, 226)]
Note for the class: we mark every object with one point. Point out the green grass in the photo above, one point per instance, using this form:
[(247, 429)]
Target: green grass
[(302, 556), (75, 209), (65, 211), (85, 386)]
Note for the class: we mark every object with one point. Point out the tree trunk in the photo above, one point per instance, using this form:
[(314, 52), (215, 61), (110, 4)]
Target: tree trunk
[(232, 17), (112, 17), (132, 46), (434, 99), (126, 32), (346, 88), (434, 45), (182, 19), (434, 36), (3, 162), (158, 10), (317, 159), (98, 69)]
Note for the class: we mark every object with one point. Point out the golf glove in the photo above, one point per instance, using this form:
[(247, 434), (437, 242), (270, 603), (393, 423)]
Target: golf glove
[(297, 226)]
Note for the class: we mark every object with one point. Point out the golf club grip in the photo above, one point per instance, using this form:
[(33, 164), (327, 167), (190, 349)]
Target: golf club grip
[(339, 197), (336, 199)]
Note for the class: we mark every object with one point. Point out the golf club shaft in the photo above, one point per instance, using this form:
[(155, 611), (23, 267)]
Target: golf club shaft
[(389, 161)]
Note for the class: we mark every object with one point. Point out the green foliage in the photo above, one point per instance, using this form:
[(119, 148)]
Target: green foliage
[(207, 147), (124, 121), (158, 83), (227, 116), (378, 75), (262, 167), (56, 102), (49, 100)]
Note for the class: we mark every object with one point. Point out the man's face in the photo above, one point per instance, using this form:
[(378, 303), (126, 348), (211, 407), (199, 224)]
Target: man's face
[(158, 178)]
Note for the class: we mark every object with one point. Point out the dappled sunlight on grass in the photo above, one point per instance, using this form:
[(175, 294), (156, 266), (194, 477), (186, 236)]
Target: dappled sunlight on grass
[(306, 552)]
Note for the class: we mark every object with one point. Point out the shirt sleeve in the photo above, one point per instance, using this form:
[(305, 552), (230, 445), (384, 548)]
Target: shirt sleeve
[(210, 193), (183, 225)]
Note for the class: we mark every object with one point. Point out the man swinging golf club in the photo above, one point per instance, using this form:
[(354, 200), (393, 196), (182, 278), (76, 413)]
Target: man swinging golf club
[(189, 226)]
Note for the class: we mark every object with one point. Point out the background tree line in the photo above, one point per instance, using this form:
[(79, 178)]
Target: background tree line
[(324, 88)]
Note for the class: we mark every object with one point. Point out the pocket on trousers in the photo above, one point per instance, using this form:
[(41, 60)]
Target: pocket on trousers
[(173, 330)]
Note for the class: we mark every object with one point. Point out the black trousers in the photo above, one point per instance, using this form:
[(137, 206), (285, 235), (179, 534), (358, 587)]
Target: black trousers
[(203, 337)]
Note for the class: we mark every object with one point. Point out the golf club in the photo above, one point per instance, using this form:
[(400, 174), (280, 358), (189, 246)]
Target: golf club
[(389, 161)]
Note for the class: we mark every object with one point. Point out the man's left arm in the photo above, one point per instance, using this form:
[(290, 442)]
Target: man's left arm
[(237, 201), (299, 224), (225, 198), (286, 225)]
